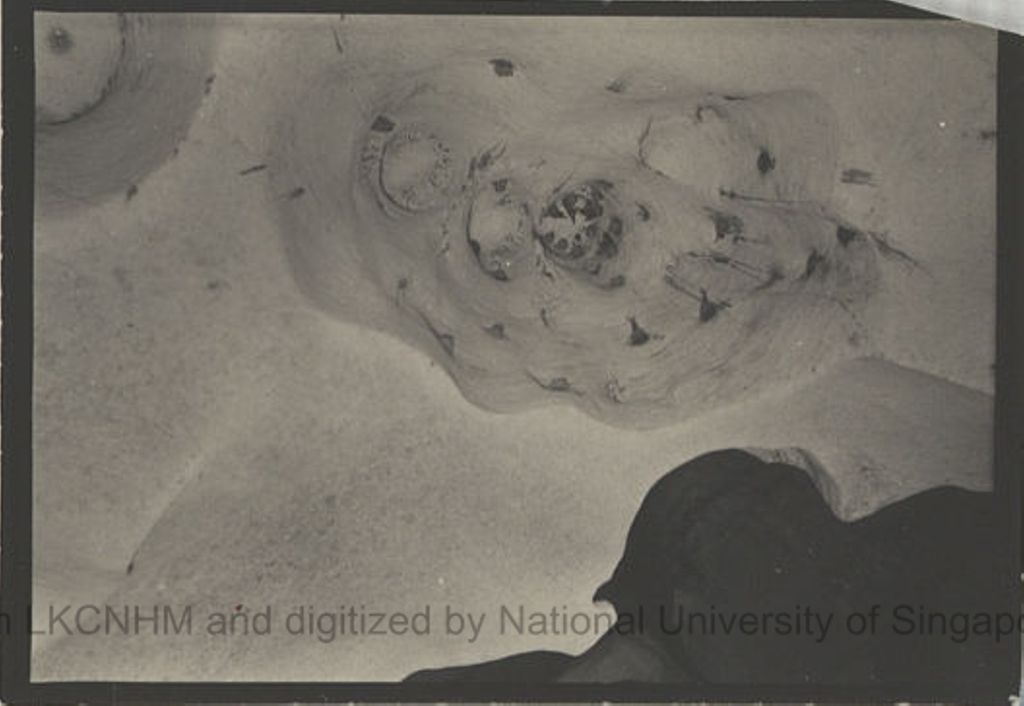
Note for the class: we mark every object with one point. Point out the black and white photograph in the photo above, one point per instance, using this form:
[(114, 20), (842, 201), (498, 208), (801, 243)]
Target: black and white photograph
[(517, 350)]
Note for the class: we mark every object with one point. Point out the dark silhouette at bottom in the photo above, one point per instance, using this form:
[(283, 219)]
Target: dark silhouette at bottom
[(736, 572)]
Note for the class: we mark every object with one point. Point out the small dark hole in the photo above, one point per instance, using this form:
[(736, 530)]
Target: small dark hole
[(383, 124), (813, 261), (765, 161), (59, 40), (708, 308), (845, 235), (559, 384), (726, 224), (502, 67), (637, 335), (616, 86)]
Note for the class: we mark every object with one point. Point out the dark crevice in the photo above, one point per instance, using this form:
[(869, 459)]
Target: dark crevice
[(890, 251), (814, 261), (726, 224), (555, 384), (497, 330), (502, 67), (708, 308), (616, 86), (637, 335), (845, 235), (857, 176), (382, 123)]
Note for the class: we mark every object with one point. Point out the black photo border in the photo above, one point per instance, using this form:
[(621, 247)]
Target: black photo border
[(17, 360)]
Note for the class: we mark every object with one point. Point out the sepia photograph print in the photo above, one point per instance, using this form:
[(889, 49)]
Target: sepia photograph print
[(604, 351)]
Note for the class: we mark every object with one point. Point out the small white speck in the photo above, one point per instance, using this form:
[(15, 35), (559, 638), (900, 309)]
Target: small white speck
[(942, 123)]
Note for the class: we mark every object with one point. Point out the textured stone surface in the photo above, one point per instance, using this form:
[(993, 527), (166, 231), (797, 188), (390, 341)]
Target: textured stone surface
[(117, 94), (198, 420)]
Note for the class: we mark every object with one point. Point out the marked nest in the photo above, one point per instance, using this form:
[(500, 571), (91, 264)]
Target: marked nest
[(644, 257), (115, 95)]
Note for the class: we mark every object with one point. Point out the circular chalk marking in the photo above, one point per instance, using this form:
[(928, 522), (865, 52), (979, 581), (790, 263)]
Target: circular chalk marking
[(115, 95), (415, 170), (582, 230), (77, 58), (499, 231)]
